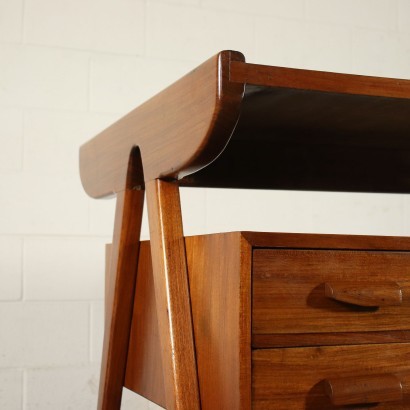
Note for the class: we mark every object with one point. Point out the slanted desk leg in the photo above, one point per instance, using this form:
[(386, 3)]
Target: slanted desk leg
[(108, 251), (120, 296), (172, 295)]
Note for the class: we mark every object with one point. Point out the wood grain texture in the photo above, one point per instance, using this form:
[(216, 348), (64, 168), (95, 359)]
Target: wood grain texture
[(215, 264), (144, 373), (219, 269), (172, 296), (289, 291), (263, 341), (120, 296), (370, 294), (178, 131), (220, 282), (326, 241), (293, 379), (108, 250), (269, 76), (369, 389)]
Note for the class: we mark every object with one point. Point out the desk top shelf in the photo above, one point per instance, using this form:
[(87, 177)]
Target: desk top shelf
[(233, 124)]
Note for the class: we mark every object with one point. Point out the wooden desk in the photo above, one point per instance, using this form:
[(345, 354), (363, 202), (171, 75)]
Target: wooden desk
[(267, 334), (245, 320)]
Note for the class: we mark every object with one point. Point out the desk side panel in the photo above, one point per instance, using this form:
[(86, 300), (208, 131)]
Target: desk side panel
[(144, 374), (219, 269)]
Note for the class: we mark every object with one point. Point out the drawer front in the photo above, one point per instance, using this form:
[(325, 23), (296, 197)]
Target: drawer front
[(292, 291), (295, 378)]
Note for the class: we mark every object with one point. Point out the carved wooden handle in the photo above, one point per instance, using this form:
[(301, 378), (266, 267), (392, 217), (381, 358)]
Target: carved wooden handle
[(365, 294), (364, 389)]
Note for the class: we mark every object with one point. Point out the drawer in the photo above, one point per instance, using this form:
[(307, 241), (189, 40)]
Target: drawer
[(299, 378), (292, 292)]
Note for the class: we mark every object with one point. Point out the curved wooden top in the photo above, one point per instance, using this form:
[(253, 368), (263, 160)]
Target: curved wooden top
[(177, 132), (297, 129)]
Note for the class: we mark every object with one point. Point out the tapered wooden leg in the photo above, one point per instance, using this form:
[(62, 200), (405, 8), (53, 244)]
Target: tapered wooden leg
[(172, 295), (108, 250), (120, 296)]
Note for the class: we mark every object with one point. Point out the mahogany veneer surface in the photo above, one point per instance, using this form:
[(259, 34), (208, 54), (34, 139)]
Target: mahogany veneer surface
[(265, 290), (292, 379), (219, 268), (289, 290)]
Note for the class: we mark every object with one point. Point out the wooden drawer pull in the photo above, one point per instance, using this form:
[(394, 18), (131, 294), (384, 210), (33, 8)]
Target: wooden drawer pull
[(365, 294), (364, 389)]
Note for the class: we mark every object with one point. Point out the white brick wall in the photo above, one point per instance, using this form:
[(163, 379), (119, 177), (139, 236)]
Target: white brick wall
[(11, 20), (62, 388), (195, 34), (42, 77), (105, 25), (11, 389), (120, 84), (11, 139), (381, 52), (51, 139), (42, 204), (404, 15), (96, 330), (292, 9), (293, 43), (68, 68), (43, 334), (62, 277), (379, 14), (11, 268)]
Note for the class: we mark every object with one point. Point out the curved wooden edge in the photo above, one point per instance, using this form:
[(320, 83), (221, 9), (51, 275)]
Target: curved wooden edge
[(178, 131)]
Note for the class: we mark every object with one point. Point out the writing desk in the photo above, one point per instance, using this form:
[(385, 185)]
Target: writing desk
[(254, 320)]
